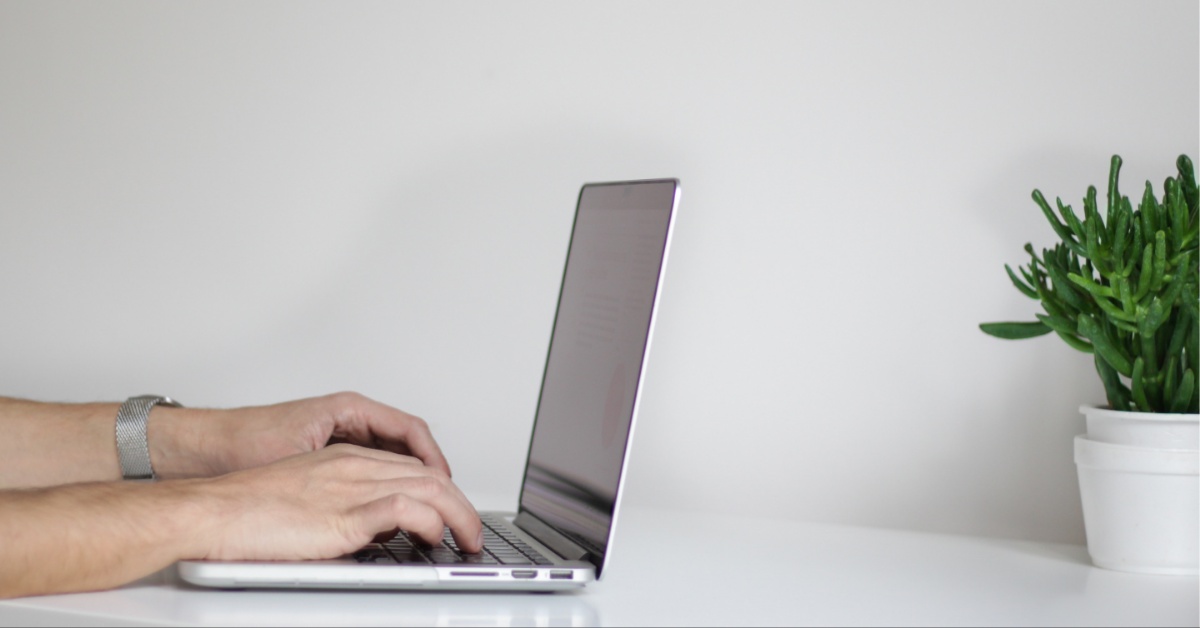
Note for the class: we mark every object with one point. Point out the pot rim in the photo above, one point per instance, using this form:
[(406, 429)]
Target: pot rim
[(1090, 410), (1094, 454)]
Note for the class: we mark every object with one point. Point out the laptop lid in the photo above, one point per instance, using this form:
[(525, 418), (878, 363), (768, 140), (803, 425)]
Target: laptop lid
[(598, 351)]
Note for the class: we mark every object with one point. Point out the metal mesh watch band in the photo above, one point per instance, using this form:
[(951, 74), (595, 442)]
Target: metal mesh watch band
[(132, 448)]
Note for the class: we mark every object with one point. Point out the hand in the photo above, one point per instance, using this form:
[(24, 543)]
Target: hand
[(328, 503), (186, 442), (97, 535)]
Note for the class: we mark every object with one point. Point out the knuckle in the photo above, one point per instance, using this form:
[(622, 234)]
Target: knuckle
[(342, 454), (410, 515), (417, 423), (347, 398), (346, 462), (431, 486), (400, 505)]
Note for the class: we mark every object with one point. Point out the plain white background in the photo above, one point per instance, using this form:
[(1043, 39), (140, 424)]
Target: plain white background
[(241, 203)]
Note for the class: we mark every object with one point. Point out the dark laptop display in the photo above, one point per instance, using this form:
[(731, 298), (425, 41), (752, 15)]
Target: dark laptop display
[(594, 368)]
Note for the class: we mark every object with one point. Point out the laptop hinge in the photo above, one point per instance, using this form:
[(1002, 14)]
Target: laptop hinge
[(549, 537)]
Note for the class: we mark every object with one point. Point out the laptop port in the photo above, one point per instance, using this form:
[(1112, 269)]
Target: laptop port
[(473, 574), (559, 574), (524, 573)]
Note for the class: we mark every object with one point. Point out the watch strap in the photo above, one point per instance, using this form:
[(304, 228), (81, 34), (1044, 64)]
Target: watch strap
[(133, 451)]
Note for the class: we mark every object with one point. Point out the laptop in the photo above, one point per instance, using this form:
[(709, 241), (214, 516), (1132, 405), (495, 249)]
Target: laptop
[(561, 535)]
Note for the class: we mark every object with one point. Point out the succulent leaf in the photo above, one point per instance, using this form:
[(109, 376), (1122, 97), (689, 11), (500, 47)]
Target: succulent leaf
[(1097, 290), (1185, 397), (1187, 174), (1137, 387), (1059, 228), (1117, 392), (1170, 381), (1015, 331), (1025, 289), (1160, 260), (1072, 220), (1106, 347)]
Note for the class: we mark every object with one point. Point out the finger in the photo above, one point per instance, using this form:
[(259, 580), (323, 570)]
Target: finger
[(404, 512), (397, 474), (369, 422), (348, 450), (451, 505), (404, 433), (364, 468)]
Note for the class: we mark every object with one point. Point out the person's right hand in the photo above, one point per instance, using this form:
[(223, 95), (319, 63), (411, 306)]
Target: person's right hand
[(330, 502)]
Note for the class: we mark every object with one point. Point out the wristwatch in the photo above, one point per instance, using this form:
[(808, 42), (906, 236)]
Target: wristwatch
[(132, 449)]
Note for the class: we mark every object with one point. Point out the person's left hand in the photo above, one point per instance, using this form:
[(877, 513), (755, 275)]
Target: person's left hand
[(188, 442)]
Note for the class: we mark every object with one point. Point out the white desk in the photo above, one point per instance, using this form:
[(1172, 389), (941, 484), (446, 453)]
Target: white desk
[(724, 571)]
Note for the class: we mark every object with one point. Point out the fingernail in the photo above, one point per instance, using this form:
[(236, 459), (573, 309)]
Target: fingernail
[(479, 539)]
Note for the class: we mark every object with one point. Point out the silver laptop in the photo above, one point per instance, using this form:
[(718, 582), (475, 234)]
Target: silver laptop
[(562, 533)]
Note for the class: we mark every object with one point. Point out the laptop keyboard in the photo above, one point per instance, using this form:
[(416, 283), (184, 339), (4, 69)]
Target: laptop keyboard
[(500, 547)]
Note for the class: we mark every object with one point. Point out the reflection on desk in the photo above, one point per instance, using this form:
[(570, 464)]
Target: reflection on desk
[(672, 568)]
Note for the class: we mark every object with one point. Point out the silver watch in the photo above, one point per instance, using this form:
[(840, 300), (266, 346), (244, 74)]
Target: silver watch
[(132, 449)]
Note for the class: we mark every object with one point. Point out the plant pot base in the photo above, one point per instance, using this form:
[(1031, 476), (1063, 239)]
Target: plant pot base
[(1141, 507), (1153, 570)]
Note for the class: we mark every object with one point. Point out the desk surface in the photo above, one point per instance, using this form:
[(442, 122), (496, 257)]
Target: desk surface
[(668, 568)]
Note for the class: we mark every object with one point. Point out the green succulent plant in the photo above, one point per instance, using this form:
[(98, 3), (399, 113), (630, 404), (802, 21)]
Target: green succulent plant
[(1123, 288)]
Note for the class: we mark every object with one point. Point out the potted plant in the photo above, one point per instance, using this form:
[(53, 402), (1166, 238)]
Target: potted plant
[(1123, 287)]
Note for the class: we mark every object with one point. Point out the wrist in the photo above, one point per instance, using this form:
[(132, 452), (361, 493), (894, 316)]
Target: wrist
[(170, 516), (179, 440), (198, 512)]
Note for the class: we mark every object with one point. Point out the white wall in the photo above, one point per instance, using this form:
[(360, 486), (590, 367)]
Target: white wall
[(238, 203)]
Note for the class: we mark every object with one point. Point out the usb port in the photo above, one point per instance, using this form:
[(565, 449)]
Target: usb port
[(558, 574), (524, 573)]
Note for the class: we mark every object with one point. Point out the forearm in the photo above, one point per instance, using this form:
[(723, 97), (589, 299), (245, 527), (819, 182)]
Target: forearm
[(50, 444), (47, 444), (96, 536)]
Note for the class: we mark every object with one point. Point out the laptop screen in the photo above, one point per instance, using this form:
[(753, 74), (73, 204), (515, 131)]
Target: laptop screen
[(597, 353)]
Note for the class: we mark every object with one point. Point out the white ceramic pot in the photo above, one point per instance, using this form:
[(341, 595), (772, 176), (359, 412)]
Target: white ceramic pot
[(1143, 429), (1139, 480)]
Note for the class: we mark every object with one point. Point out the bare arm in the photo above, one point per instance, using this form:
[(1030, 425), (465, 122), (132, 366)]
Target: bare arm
[(315, 505), (90, 536), (240, 484), (49, 444)]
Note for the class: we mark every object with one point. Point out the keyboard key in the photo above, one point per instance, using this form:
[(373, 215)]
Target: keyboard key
[(502, 545), (442, 555), (373, 555), (479, 559)]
